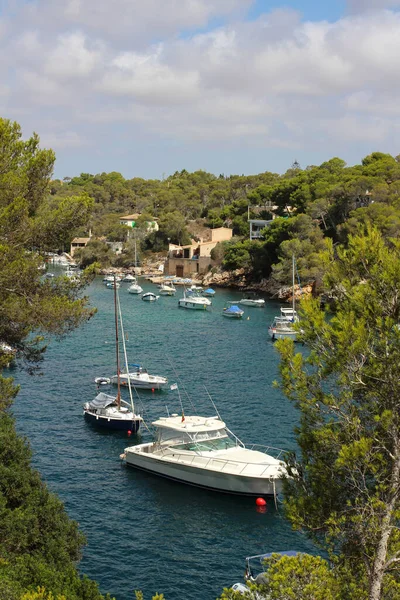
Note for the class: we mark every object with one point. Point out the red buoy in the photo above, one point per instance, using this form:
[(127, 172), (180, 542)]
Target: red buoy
[(129, 433), (152, 389), (261, 502)]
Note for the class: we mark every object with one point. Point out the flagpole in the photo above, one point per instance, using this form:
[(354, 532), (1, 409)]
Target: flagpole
[(175, 386)]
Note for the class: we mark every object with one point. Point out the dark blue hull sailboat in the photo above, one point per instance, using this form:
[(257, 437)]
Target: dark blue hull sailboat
[(111, 412)]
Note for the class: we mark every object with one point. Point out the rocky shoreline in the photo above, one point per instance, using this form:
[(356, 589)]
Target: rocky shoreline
[(226, 279)]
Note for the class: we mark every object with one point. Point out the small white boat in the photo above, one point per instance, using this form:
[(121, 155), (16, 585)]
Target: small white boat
[(201, 451), (150, 297), (135, 288), (167, 290), (281, 329), (282, 326), (111, 278), (112, 284), (209, 293), (129, 277), (140, 378), (8, 352), (252, 300), (194, 301), (233, 312), (102, 381)]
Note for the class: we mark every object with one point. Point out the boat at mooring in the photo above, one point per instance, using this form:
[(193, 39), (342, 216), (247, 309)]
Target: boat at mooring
[(150, 297), (203, 452), (252, 300), (233, 312), (193, 300), (140, 378), (283, 326), (112, 412)]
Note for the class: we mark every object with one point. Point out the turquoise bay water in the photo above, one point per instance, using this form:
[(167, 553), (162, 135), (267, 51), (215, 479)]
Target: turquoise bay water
[(144, 532)]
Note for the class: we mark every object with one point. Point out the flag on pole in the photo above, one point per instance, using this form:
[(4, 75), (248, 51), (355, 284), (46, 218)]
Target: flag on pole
[(174, 386)]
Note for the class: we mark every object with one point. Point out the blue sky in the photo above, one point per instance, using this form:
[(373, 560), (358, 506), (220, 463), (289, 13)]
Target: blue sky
[(314, 10), (151, 87)]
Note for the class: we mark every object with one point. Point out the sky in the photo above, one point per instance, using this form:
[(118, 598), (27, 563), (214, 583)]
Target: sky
[(150, 87)]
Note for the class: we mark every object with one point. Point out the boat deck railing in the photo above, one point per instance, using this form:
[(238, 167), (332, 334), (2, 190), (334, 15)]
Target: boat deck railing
[(222, 465)]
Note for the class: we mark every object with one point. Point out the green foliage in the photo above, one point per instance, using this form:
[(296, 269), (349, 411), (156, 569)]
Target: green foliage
[(96, 251), (172, 227), (306, 242), (236, 255), (344, 489), (302, 577), (331, 194), (40, 544)]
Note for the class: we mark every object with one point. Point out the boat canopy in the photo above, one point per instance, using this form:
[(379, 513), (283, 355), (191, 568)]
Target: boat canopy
[(234, 309), (102, 400), (190, 424), (209, 291)]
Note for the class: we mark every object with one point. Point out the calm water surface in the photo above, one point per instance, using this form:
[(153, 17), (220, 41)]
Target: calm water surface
[(144, 532)]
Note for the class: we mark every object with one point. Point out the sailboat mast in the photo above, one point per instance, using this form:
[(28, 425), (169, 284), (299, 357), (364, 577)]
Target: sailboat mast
[(293, 299), (135, 256), (125, 356), (117, 345)]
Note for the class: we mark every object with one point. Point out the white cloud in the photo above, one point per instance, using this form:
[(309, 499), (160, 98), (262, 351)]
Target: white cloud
[(132, 21), (64, 139), (71, 57), (359, 6), (275, 82)]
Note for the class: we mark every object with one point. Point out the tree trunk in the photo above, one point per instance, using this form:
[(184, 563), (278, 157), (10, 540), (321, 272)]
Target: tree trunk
[(378, 567)]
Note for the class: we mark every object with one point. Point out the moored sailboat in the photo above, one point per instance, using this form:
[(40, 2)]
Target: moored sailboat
[(112, 412)]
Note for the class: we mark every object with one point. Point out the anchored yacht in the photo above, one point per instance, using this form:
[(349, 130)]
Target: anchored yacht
[(203, 452)]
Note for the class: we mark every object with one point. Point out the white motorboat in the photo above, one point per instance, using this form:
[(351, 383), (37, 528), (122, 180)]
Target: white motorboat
[(129, 277), (112, 412), (150, 297), (252, 300), (135, 288), (201, 451), (167, 290), (233, 312), (113, 284), (192, 299), (140, 378), (281, 328), (196, 288)]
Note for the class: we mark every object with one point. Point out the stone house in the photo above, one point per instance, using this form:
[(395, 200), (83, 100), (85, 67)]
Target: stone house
[(195, 258), (130, 221), (78, 243)]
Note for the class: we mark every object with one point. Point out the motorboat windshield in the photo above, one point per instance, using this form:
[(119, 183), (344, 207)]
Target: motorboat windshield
[(208, 445), (176, 430)]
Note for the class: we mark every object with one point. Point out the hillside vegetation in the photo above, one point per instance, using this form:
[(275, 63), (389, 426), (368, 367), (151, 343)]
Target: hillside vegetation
[(311, 207)]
